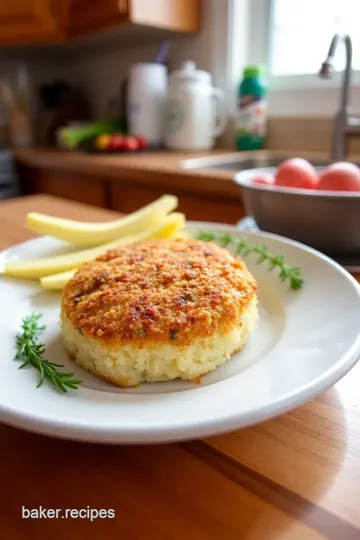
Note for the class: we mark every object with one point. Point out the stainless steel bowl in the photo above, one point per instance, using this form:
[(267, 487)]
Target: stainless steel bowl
[(326, 220)]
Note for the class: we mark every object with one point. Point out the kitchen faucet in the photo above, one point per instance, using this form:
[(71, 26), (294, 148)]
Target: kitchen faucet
[(344, 125)]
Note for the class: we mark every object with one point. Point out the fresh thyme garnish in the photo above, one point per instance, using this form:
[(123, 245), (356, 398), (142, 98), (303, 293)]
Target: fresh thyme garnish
[(244, 247), (31, 351)]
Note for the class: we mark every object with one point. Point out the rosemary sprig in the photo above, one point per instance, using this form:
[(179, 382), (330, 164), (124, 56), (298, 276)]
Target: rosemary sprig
[(31, 351), (244, 247)]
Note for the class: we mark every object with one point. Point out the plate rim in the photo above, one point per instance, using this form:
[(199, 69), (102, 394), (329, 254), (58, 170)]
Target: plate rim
[(162, 434)]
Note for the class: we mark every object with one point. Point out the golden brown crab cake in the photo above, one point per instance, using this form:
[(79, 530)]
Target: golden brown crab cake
[(158, 310)]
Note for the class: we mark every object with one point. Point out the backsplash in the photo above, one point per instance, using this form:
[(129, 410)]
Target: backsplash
[(299, 133), (41, 70), (294, 133), (102, 73)]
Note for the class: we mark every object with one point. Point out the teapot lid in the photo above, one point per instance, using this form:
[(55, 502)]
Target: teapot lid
[(189, 72)]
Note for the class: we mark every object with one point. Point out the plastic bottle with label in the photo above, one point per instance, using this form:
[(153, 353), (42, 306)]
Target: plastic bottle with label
[(251, 114)]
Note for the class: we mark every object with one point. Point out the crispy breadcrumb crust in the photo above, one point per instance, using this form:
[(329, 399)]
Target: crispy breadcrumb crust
[(171, 290)]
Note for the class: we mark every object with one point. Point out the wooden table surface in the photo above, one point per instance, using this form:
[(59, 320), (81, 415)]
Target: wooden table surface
[(296, 477)]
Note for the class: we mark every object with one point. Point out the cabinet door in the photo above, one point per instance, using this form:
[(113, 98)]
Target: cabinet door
[(32, 21), (181, 15), (76, 187), (127, 198), (87, 16)]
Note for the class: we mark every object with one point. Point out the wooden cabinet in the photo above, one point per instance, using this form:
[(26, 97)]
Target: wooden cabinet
[(126, 198), (181, 15), (75, 187), (32, 21), (49, 21), (127, 195), (87, 16)]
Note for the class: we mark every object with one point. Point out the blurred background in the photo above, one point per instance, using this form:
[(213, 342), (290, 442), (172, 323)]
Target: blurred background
[(89, 47), (79, 78)]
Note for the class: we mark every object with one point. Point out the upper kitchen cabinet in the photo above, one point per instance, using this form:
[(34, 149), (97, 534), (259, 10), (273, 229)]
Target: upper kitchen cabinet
[(180, 15), (87, 16), (25, 22)]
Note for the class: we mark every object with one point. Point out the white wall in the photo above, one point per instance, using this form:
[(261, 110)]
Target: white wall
[(101, 73)]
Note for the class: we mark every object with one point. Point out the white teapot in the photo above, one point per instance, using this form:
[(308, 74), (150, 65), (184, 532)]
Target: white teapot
[(194, 111)]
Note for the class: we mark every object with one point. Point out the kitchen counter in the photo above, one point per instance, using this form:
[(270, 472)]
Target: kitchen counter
[(140, 167), (127, 182)]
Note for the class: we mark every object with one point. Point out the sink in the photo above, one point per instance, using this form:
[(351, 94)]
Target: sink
[(237, 163)]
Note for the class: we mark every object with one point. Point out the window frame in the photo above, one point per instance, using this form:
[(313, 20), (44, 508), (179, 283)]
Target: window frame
[(232, 47), (261, 16)]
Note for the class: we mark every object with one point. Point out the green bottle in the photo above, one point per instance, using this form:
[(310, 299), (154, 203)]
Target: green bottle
[(251, 114)]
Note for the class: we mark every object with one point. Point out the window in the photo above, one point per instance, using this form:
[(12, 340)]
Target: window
[(291, 38), (301, 31)]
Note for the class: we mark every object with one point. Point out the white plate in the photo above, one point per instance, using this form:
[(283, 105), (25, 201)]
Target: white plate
[(305, 341)]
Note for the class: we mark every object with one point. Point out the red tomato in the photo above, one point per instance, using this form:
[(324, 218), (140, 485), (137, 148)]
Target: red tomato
[(142, 142), (117, 141), (341, 176), (296, 173), (266, 179), (131, 144)]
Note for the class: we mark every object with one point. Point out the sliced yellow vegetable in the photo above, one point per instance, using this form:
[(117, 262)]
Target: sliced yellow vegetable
[(51, 265), (57, 282), (82, 233), (182, 234)]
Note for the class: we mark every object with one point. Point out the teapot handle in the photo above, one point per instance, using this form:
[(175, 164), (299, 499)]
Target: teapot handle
[(221, 114)]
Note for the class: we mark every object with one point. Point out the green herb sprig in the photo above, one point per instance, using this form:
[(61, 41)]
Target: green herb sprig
[(244, 247), (31, 351)]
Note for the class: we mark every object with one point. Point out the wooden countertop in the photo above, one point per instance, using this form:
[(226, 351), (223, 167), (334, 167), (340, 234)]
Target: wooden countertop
[(165, 169), (293, 478), (161, 161), (152, 168)]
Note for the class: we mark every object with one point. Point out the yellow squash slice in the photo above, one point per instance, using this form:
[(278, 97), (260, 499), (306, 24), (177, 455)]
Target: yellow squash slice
[(38, 268), (56, 282), (91, 234)]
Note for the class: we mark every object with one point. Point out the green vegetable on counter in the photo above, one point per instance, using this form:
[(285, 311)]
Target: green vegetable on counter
[(244, 247), (72, 137), (31, 351)]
